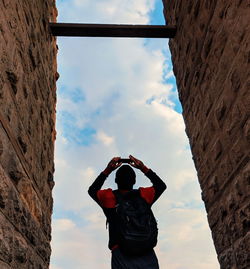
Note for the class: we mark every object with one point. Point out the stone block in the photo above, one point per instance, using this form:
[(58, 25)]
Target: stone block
[(27, 117), (242, 252), (210, 54), (6, 239), (4, 265)]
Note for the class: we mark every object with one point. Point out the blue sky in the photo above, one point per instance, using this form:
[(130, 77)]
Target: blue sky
[(118, 97)]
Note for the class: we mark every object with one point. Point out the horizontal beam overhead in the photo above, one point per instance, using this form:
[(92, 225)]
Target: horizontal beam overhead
[(112, 30)]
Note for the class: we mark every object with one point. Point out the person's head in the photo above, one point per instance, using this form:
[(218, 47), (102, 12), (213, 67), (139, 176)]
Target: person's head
[(125, 177)]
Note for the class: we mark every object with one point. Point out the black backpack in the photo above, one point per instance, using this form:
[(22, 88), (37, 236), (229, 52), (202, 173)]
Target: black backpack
[(136, 225)]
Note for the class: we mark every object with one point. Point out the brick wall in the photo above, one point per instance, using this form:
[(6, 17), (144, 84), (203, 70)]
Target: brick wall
[(27, 132), (211, 55)]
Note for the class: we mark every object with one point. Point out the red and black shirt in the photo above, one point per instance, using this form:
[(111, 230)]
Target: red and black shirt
[(106, 199)]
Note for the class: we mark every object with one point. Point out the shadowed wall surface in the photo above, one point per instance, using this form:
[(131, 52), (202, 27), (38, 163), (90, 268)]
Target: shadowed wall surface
[(27, 132), (210, 56)]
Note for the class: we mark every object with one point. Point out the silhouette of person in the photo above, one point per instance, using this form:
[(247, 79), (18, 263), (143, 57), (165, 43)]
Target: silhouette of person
[(107, 199)]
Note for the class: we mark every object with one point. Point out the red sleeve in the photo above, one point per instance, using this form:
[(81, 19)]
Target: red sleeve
[(148, 194), (106, 198)]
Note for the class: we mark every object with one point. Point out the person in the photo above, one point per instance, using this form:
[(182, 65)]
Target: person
[(107, 200)]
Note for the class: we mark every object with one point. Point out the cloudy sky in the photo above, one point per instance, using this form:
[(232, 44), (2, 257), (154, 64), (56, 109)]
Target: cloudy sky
[(118, 97)]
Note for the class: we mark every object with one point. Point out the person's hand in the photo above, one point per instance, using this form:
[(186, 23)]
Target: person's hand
[(112, 165), (138, 164)]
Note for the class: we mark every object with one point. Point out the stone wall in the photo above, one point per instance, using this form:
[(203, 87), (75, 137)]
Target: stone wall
[(211, 56), (27, 132)]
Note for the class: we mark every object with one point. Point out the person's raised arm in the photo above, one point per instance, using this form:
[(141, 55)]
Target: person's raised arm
[(157, 182), (97, 184)]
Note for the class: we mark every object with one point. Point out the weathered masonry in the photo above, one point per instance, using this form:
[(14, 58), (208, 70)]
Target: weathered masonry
[(211, 55), (27, 132)]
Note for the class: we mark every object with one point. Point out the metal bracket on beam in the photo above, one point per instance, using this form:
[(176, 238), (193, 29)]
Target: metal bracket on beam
[(112, 30)]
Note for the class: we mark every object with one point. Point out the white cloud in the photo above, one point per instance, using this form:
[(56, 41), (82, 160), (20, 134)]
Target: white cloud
[(77, 247), (104, 138), (183, 177), (52, 266), (106, 11), (89, 172), (182, 247), (63, 225), (121, 94)]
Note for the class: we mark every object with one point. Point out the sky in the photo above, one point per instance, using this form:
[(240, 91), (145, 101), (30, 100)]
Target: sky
[(117, 97)]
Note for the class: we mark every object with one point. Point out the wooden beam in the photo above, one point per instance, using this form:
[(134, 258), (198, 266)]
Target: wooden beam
[(112, 30)]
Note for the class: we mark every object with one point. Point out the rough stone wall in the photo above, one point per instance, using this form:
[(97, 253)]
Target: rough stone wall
[(211, 56), (27, 134)]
